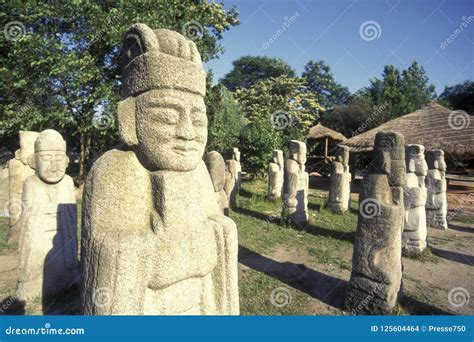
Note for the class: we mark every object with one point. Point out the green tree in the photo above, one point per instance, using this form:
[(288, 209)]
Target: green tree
[(459, 96), (226, 124), (321, 81), (248, 70), (278, 110), (63, 72)]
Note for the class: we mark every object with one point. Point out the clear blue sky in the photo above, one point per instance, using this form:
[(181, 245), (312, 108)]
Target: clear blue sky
[(329, 30)]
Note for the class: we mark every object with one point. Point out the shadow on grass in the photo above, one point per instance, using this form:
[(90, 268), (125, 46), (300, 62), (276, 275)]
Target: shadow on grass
[(454, 256), (335, 234), (461, 228), (252, 213), (327, 289), (415, 307)]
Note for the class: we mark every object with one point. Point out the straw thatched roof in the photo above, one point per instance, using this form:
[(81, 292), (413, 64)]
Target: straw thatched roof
[(433, 126), (320, 132)]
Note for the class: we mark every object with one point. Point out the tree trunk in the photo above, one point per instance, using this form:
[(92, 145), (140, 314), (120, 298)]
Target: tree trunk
[(85, 142)]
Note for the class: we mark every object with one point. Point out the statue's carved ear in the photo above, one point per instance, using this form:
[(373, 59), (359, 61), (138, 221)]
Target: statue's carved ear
[(31, 161), (126, 121)]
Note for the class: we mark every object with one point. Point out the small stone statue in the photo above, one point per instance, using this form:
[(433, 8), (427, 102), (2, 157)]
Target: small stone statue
[(275, 175), (154, 239), (436, 204), (230, 187), (217, 170), (19, 171), (233, 166), (48, 243), (296, 182), (340, 182), (377, 258), (414, 233)]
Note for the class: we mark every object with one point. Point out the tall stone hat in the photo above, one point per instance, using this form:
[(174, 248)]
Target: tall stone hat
[(160, 58)]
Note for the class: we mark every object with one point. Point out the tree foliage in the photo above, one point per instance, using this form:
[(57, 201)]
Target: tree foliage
[(63, 72), (248, 70), (321, 81), (278, 110), (459, 96)]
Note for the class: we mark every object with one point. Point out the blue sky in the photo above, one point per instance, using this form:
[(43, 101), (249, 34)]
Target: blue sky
[(405, 30)]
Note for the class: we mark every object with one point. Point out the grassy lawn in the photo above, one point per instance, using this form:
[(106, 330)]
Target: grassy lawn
[(324, 238)]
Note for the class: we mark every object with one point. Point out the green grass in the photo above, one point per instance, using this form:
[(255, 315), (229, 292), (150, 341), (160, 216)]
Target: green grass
[(261, 231)]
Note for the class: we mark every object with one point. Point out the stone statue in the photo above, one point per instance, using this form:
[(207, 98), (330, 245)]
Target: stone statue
[(377, 258), (340, 182), (235, 169), (154, 239), (217, 170), (230, 187), (275, 175), (48, 243), (296, 183), (414, 198), (436, 204), (19, 171)]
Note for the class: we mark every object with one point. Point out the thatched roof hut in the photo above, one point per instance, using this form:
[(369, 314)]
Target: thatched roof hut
[(319, 132), (433, 126)]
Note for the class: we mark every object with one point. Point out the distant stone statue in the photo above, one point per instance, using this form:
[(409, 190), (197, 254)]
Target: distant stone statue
[(230, 185), (48, 243), (217, 170), (296, 182), (377, 257), (19, 171), (414, 232), (154, 239), (275, 175), (235, 169), (436, 204), (340, 181)]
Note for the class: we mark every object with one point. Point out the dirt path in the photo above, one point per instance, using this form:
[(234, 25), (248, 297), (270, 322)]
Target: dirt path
[(427, 283)]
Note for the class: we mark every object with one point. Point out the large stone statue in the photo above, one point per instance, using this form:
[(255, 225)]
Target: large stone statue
[(436, 204), (414, 233), (377, 260), (154, 239), (275, 175), (340, 182), (296, 183), (19, 171), (217, 170), (48, 243)]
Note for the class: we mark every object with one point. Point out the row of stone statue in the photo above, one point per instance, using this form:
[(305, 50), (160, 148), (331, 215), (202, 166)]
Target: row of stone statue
[(392, 218), (154, 238)]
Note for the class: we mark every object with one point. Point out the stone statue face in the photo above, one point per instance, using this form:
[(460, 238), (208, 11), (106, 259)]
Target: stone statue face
[(171, 129), (421, 168), (51, 165), (441, 164), (236, 154)]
